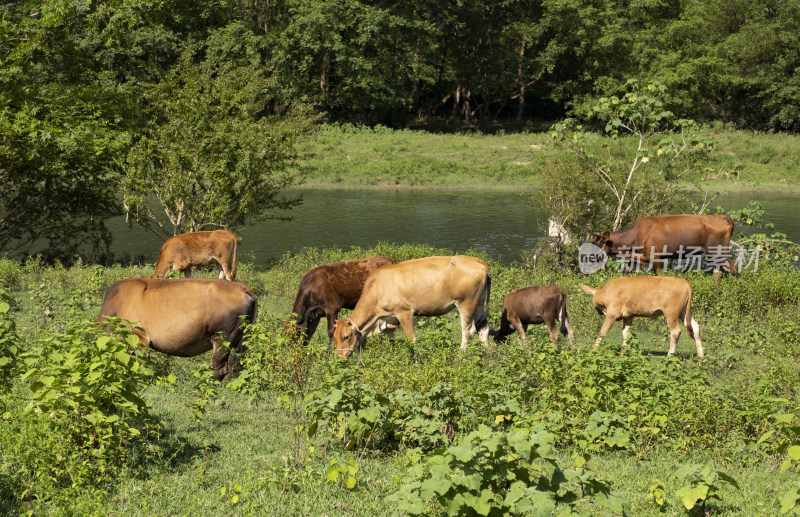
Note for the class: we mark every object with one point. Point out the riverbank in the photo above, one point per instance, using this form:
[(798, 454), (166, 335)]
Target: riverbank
[(345, 156)]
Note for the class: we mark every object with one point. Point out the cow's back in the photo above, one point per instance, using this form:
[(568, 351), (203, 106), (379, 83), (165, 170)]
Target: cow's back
[(675, 230), (643, 292), (425, 282), (337, 283), (532, 301), (179, 313)]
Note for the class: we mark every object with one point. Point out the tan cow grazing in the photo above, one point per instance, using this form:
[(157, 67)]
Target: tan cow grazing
[(646, 296), (429, 286), (185, 317), (197, 249), (533, 305)]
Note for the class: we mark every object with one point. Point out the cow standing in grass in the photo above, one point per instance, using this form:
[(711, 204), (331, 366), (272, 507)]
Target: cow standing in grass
[(185, 317), (533, 305), (650, 241), (430, 286), (327, 289), (648, 297), (196, 249)]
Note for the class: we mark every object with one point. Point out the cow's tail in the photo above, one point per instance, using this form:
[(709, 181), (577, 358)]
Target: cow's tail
[(588, 290), (731, 264), (233, 258), (241, 348), (691, 325), (482, 321), (566, 329), (687, 316)]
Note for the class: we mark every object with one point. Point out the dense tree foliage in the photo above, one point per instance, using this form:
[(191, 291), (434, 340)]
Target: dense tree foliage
[(208, 159), (78, 78)]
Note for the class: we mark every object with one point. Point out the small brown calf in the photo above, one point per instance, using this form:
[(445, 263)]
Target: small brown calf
[(533, 305)]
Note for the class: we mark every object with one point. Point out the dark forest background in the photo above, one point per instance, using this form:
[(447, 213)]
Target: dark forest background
[(90, 90)]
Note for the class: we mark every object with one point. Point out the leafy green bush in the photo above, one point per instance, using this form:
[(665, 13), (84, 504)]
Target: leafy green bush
[(9, 345), (502, 473), (88, 385), (700, 484)]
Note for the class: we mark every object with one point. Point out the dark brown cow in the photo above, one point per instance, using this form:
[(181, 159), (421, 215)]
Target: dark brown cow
[(672, 236), (649, 297), (327, 289), (185, 317), (196, 249), (533, 305)]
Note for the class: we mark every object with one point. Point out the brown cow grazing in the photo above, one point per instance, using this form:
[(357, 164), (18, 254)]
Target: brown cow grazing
[(326, 289), (646, 296), (651, 240), (429, 286), (197, 249), (185, 317), (533, 305)]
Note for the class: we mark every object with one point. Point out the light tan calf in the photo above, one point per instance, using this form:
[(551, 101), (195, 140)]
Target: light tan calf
[(649, 297), (197, 249), (185, 317), (429, 286)]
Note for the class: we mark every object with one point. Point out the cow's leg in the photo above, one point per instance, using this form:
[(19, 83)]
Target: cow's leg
[(674, 334), (406, 319), (626, 325), (694, 332), (331, 315), (468, 314), (388, 327), (552, 329), (219, 358), (604, 329), (187, 272), (520, 328), (225, 270)]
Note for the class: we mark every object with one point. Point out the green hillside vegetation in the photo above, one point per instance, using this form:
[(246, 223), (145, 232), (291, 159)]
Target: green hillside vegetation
[(361, 156)]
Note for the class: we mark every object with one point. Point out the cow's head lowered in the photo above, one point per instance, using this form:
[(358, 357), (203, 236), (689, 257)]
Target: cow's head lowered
[(347, 337), (604, 242)]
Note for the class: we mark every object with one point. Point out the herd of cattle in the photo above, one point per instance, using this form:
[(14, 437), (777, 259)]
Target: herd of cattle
[(190, 316)]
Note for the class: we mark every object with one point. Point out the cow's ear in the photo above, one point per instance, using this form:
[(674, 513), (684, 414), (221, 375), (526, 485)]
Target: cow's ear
[(606, 235), (608, 243)]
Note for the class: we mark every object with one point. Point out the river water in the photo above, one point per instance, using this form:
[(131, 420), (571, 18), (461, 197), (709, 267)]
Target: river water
[(501, 224)]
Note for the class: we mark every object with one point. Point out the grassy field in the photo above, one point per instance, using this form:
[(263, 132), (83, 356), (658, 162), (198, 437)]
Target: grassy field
[(383, 157), (211, 449)]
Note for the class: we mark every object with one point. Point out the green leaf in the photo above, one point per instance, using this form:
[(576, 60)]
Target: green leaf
[(794, 452), (350, 483), (790, 499), (333, 474), (689, 495)]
